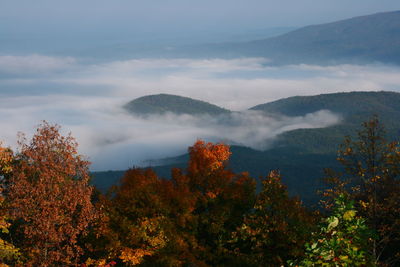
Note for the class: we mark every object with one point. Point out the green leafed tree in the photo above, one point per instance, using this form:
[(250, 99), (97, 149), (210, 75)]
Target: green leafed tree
[(277, 228), (371, 177), (342, 240)]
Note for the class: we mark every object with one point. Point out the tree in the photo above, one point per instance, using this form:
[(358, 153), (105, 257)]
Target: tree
[(342, 239), (134, 221), (49, 197), (220, 200), (6, 158), (371, 178), (277, 228), (8, 252), (184, 221)]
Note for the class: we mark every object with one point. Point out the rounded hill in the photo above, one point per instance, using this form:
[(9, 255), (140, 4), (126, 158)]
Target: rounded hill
[(354, 106), (163, 103)]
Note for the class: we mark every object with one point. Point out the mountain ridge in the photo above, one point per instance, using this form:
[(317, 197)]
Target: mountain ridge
[(363, 39), (163, 103)]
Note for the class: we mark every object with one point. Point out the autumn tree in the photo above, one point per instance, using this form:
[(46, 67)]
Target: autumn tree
[(276, 229), (371, 178), (49, 197), (183, 221), (221, 198), (6, 158), (132, 219), (8, 252)]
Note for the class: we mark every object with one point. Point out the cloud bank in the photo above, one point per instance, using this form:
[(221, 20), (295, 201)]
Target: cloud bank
[(86, 99)]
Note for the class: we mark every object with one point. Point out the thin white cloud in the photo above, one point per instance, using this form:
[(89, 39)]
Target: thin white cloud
[(34, 64)]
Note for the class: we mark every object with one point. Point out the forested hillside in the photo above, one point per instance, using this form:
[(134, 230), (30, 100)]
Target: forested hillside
[(162, 103)]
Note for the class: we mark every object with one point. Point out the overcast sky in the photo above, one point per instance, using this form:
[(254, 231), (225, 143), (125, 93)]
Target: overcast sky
[(177, 15)]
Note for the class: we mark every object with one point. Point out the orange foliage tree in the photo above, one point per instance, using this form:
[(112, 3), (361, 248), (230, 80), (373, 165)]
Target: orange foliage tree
[(49, 198), (219, 198), (182, 221)]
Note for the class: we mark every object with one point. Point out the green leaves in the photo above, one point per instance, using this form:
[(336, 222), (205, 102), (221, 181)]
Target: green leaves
[(334, 222), (277, 228), (343, 242)]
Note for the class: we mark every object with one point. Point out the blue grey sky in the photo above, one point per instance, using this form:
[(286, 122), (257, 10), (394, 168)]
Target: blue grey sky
[(43, 16)]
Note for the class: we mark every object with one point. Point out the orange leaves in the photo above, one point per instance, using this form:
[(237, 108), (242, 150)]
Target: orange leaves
[(207, 157), (211, 195), (49, 194)]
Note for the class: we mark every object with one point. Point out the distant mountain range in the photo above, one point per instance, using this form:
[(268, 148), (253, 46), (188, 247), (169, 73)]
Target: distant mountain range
[(372, 38), (365, 39), (300, 154)]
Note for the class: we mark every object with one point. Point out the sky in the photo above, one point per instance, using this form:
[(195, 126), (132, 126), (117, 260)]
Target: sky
[(86, 97), (155, 16)]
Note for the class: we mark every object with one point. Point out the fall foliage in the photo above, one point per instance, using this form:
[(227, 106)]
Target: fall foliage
[(185, 220), (8, 252), (49, 198), (204, 215)]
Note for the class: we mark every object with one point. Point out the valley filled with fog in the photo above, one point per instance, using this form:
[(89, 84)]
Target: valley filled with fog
[(87, 99)]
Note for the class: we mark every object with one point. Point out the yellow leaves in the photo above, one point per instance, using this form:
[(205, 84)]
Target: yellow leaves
[(348, 215), (8, 251), (92, 262), (152, 239), (4, 225), (6, 157), (153, 233), (134, 256)]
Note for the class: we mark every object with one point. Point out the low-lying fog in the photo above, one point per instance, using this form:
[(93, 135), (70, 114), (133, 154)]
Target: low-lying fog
[(87, 99)]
